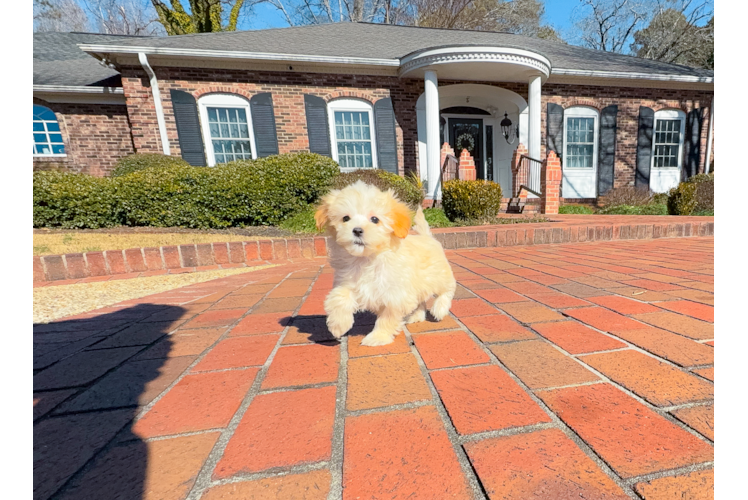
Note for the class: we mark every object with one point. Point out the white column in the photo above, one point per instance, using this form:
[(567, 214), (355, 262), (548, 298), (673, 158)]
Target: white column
[(433, 143), (533, 132), (710, 139)]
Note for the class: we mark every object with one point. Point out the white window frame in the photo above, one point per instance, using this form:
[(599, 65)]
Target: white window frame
[(669, 114), (582, 112), (64, 146), (222, 101), (351, 105)]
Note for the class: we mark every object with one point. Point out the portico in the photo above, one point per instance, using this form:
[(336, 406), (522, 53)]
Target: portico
[(442, 110)]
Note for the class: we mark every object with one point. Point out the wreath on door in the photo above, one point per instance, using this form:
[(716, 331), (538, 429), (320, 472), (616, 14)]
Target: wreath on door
[(466, 138)]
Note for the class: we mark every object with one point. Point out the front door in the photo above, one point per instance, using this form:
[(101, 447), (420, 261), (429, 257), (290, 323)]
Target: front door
[(580, 155), (467, 133)]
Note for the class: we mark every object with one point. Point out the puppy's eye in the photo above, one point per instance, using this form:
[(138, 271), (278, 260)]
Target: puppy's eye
[(346, 218), (375, 220)]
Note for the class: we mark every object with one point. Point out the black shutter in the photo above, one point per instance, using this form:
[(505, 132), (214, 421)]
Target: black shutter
[(384, 120), (263, 124), (694, 122), (554, 129), (317, 127), (606, 149), (644, 146), (184, 108)]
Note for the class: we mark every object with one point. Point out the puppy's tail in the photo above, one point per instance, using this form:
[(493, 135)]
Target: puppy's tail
[(420, 224)]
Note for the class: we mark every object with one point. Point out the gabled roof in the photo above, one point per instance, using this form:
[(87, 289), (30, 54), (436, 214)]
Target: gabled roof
[(59, 61), (388, 42)]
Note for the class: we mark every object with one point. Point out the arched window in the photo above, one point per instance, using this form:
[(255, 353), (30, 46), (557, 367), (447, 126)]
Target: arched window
[(667, 143), (227, 128), (47, 136), (580, 137), (352, 133)]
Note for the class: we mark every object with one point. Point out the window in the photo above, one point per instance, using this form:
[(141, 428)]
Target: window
[(668, 138), (580, 138), (47, 135), (227, 128), (352, 132)]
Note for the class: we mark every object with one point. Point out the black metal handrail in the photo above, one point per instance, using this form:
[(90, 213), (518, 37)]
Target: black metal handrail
[(528, 175)]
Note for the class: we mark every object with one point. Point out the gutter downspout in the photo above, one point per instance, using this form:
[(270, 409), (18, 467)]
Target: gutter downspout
[(157, 102), (710, 138)]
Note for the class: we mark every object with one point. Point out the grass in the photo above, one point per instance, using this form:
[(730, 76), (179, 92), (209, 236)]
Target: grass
[(59, 243), (575, 209), (649, 209)]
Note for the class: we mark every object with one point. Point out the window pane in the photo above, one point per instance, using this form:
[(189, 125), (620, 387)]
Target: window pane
[(38, 127), (58, 149), (214, 130), (353, 138), (224, 130), (52, 126), (42, 149), (666, 147), (212, 114), (40, 138), (234, 130), (55, 138), (43, 113), (580, 138)]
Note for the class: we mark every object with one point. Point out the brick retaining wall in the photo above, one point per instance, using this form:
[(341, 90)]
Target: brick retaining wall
[(151, 261)]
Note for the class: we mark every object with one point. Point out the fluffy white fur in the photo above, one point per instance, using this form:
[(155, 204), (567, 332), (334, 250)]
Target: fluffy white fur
[(381, 269)]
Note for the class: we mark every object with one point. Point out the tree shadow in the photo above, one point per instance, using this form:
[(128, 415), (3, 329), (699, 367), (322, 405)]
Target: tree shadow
[(313, 328), (91, 378)]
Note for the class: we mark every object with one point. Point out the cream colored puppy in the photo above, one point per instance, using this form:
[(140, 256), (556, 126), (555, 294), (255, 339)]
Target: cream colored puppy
[(378, 266)]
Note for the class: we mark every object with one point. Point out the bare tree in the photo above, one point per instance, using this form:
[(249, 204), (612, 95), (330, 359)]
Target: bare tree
[(59, 15), (677, 34), (125, 17), (609, 24)]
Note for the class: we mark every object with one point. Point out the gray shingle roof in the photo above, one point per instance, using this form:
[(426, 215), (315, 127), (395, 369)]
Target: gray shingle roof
[(59, 61), (394, 42)]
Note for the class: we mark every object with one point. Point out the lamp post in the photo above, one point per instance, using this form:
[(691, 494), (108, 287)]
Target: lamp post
[(507, 131)]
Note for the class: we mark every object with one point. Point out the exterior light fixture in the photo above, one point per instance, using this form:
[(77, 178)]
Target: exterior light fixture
[(510, 133)]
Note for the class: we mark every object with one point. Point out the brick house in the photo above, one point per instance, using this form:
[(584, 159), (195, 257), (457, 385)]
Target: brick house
[(372, 95)]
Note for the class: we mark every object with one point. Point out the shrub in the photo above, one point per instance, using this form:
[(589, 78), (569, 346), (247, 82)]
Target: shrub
[(436, 217), (575, 209), (627, 195), (406, 190), (650, 209), (302, 221), (140, 161), (694, 196), (72, 201), (258, 192), (476, 200)]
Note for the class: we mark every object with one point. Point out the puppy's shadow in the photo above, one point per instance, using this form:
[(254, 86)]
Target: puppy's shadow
[(313, 328)]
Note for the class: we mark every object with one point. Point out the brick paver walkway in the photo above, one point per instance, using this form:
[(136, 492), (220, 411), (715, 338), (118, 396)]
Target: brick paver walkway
[(564, 371)]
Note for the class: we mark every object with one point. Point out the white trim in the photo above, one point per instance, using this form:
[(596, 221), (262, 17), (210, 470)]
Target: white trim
[(234, 54), (710, 138), (222, 101), (77, 89), (157, 103), (356, 105), (661, 179), (633, 75), (534, 100), (64, 155), (475, 54), (576, 181)]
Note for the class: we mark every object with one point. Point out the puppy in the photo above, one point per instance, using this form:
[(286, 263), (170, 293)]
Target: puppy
[(378, 266)]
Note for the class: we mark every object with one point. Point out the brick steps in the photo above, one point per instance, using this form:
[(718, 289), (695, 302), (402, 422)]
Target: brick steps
[(139, 262)]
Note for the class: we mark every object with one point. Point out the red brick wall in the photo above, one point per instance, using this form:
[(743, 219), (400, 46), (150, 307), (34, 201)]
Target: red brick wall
[(288, 91), (628, 100), (95, 137)]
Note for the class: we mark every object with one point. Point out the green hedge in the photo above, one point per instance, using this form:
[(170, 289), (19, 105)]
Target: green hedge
[(692, 197), (472, 200), (141, 161), (241, 193), (73, 201), (649, 209), (405, 189)]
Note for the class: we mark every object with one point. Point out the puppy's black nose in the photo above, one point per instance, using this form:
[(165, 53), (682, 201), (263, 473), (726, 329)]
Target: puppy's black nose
[(358, 231)]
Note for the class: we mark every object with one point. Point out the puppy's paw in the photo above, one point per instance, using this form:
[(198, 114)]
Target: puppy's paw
[(339, 324), (441, 306), (416, 316), (378, 338)]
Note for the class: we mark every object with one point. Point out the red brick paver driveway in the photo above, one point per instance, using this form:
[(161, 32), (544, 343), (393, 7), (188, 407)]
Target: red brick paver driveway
[(564, 371)]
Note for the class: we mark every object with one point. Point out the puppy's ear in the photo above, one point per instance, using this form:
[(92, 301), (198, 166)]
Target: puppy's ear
[(400, 215), (321, 215)]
